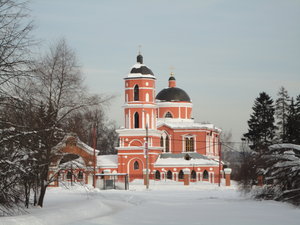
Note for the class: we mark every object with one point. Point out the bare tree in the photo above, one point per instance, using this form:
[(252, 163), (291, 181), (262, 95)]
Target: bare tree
[(281, 112), (58, 83), (15, 40), (82, 124)]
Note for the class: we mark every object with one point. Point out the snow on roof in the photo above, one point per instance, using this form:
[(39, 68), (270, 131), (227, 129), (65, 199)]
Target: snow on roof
[(185, 124), (107, 161), (85, 147), (78, 143), (195, 159), (140, 70), (138, 65), (288, 146)]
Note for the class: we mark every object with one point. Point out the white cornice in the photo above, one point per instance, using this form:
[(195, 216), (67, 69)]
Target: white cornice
[(140, 105), (184, 165), (139, 132), (173, 104), (150, 153), (134, 76), (138, 148)]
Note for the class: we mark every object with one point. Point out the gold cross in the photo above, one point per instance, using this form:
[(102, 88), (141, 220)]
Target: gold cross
[(172, 69)]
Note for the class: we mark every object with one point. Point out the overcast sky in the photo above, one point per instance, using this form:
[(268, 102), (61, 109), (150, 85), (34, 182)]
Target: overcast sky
[(223, 52)]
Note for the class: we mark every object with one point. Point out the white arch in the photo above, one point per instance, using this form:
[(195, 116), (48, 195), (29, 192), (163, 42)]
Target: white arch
[(136, 158), (135, 140), (147, 97)]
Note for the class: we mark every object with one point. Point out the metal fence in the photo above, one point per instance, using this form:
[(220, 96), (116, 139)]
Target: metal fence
[(118, 181)]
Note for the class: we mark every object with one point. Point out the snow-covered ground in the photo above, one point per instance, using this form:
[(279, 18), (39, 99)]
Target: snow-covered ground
[(164, 203)]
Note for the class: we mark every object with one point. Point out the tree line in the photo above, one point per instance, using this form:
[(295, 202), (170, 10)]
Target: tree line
[(273, 138), (41, 100)]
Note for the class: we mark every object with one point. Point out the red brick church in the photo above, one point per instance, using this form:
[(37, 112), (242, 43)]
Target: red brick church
[(177, 145)]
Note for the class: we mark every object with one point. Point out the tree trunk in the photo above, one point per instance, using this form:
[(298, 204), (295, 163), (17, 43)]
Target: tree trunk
[(42, 195), (43, 186)]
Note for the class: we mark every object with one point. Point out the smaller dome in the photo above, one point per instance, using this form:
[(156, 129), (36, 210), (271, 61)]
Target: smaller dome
[(173, 94)]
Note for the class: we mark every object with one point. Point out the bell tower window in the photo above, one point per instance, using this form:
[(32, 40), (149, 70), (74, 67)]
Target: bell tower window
[(136, 93), (136, 120), (168, 115)]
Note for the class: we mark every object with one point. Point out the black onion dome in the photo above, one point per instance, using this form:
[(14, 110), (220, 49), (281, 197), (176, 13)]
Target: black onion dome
[(172, 78), (173, 94), (140, 67), (143, 70)]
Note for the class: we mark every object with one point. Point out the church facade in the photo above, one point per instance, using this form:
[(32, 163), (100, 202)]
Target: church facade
[(160, 126), (164, 123)]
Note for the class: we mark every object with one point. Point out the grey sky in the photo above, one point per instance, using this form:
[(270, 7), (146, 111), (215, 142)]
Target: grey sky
[(224, 52)]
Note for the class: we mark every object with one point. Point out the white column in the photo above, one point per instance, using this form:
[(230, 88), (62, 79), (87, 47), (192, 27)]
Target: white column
[(143, 119), (129, 121), (195, 143)]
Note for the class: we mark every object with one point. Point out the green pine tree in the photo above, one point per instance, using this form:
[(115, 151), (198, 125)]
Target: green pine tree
[(292, 126), (261, 130)]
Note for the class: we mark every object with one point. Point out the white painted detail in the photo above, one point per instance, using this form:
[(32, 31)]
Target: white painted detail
[(140, 106), (173, 104), (148, 120)]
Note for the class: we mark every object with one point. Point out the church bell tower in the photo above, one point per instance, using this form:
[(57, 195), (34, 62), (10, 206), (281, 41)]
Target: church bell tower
[(140, 112)]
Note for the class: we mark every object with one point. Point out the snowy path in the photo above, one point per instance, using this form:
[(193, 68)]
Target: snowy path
[(177, 205)]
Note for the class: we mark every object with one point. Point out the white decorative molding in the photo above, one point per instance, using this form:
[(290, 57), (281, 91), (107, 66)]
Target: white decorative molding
[(173, 104), (128, 106)]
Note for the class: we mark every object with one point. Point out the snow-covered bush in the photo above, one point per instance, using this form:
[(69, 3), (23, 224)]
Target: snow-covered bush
[(283, 173)]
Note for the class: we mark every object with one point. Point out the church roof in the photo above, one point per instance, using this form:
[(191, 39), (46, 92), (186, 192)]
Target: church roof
[(184, 159), (173, 94), (140, 69), (185, 124), (107, 161)]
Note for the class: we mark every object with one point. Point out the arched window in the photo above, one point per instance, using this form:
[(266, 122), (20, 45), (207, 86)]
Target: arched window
[(193, 175), (161, 141), (136, 93), (168, 115), (169, 175), (189, 144), (69, 175), (136, 165), (167, 144), (136, 120), (180, 175), (157, 175), (80, 175), (205, 174)]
